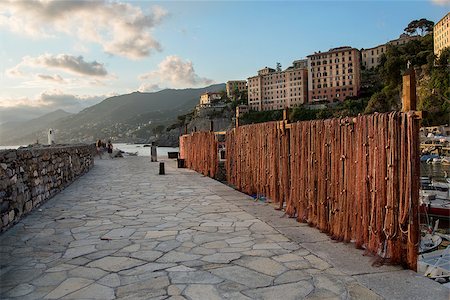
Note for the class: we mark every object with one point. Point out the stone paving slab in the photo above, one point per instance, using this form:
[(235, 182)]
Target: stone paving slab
[(124, 232)]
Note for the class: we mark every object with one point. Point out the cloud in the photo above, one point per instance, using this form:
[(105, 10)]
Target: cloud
[(120, 28), (441, 2), (20, 109), (68, 63), (173, 72), (52, 78)]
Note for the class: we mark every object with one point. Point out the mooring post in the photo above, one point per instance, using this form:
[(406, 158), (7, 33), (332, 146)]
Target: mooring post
[(153, 153), (409, 90), (161, 169)]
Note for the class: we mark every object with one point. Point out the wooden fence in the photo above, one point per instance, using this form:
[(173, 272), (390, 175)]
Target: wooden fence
[(355, 178), (199, 150)]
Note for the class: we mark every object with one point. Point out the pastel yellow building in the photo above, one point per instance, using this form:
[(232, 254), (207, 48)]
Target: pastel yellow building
[(370, 58), (441, 34), (208, 98)]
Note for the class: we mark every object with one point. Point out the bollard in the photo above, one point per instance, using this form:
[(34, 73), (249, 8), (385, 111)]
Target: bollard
[(161, 169), (153, 153)]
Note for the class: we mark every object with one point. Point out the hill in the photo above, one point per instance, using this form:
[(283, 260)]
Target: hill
[(18, 133), (133, 117)]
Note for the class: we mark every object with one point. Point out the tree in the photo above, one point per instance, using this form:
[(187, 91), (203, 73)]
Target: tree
[(158, 129), (378, 103), (278, 67), (422, 27), (235, 92)]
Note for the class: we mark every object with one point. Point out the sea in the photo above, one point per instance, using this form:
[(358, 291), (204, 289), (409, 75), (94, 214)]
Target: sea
[(140, 149), (144, 151)]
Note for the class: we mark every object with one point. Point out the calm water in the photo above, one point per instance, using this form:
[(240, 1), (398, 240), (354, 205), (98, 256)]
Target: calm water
[(142, 151)]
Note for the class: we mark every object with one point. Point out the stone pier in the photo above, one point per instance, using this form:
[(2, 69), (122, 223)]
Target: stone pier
[(124, 232)]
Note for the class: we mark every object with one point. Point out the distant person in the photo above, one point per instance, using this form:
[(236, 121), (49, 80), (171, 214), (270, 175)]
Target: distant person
[(99, 145), (110, 149)]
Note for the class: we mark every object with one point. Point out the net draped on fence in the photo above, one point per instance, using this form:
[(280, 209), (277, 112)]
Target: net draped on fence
[(355, 178), (199, 151)]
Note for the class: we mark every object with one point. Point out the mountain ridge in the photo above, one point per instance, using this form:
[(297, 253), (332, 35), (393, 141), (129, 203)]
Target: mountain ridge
[(129, 117)]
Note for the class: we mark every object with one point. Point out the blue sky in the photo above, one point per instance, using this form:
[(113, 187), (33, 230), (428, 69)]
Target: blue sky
[(72, 54)]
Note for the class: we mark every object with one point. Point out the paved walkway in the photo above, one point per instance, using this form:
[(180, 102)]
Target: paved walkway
[(124, 232)]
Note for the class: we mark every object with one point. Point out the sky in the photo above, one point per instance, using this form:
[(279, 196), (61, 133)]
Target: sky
[(73, 54)]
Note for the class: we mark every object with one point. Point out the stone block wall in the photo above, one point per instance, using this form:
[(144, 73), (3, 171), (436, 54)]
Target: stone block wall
[(30, 176)]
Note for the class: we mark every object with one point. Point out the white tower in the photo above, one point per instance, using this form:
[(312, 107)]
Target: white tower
[(51, 136)]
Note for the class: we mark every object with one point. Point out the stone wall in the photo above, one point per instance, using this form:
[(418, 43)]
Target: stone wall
[(30, 176)]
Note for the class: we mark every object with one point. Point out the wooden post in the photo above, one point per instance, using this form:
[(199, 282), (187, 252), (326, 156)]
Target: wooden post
[(153, 153), (409, 90), (211, 125)]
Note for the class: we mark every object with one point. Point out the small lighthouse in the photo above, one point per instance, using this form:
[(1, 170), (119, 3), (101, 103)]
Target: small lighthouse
[(51, 136)]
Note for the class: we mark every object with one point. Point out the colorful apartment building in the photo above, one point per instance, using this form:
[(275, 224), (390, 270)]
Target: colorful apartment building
[(334, 75), (275, 89), (441, 34)]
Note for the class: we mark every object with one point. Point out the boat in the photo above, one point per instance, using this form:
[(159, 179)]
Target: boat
[(445, 161), (436, 160), (124, 153), (428, 157), (429, 242), (434, 205), (425, 181), (435, 264)]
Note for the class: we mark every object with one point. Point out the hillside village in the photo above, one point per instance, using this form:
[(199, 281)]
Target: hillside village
[(340, 82)]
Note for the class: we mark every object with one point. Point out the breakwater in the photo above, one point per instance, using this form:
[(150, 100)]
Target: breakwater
[(354, 178), (30, 176)]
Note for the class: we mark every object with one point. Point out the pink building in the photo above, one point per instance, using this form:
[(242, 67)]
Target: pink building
[(272, 89), (334, 75)]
